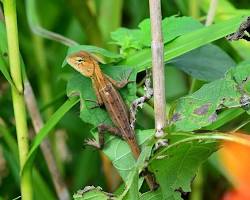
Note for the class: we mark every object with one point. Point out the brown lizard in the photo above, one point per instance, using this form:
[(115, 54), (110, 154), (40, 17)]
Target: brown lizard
[(107, 95)]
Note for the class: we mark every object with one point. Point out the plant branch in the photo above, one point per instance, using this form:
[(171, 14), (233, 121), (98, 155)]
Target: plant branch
[(211, 12), (158, 66), (194, 10), (60, 186), (1, 14), (37, 29), (209, 21), (87, 20), (216, 136), (17, 95)]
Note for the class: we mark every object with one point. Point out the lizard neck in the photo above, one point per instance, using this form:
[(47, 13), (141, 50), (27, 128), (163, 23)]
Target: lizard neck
[(98, 75)]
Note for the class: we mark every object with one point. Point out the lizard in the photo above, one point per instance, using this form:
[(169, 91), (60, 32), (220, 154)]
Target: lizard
[(106, 92)]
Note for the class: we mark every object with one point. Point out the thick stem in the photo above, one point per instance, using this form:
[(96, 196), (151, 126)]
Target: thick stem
[(194, 10), (158, 66), (17, 94)]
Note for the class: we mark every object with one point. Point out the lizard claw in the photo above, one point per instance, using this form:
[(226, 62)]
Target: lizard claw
[(92, 142)]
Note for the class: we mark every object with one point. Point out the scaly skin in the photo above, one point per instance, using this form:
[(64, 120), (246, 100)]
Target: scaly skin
[(106, 94)]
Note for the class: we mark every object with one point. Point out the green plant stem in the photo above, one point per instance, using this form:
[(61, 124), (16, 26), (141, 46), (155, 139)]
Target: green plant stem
[(216, 136), (9, 140), (196, 193), (194, 10), (110, 19), (17, 94), (87, 20), (38, 180)]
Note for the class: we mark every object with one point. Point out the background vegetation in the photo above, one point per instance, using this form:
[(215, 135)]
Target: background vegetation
[(90, 22)]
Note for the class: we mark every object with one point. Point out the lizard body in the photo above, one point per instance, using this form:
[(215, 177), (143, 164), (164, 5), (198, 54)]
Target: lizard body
[(107, 95)]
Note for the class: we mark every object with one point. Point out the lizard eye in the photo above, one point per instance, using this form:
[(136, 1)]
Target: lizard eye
[(79, 60)]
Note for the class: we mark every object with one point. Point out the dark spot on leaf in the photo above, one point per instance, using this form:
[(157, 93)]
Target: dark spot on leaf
[(202, 110), (5, 54), (212, 117), (231, 99), (245, 80), (176, 117)]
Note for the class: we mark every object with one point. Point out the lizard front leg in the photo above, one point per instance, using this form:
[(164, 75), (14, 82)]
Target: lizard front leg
[(102, 128), (118, 84), (99, 101)]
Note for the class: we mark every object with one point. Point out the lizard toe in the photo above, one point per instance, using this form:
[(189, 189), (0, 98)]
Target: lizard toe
[(92, 142)]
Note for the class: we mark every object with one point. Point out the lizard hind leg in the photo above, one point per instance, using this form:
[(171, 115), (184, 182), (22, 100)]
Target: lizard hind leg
[(140, 101), (102, 128)]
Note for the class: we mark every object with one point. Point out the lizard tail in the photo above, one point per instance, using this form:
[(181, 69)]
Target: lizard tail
[(149, 177), (134, 148)]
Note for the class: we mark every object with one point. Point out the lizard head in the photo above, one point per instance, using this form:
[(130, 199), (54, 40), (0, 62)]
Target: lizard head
[(83, 62)]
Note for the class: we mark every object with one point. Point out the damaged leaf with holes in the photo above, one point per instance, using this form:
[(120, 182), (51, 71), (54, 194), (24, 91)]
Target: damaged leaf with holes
[(175, 166), (92, 193), (200, 109)]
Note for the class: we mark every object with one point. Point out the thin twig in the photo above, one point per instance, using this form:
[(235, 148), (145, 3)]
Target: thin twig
[(209, 21), (39, 30), (241, 125), (158, 67), (211, 12), (1, 14), (87, 20), (52, 36), (60, 186)]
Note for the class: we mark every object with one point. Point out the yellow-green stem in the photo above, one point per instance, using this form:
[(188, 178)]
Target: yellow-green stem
[(17, 94), (194, 9)]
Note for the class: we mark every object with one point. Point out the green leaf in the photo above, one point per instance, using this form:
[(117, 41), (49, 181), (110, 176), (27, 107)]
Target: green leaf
[(4, 54), (141, 60), (103, 55), (140, 38), (54, 119), (152, 195), (206, 63), (199, 109), (172, 27), (119, 152), (134, 189), (82, 86), (176, 165), (127, 38), (92, 193), (225, 117), (132, 180)]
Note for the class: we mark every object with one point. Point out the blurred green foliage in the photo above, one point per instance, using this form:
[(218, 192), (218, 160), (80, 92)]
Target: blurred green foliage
[(91, 22)]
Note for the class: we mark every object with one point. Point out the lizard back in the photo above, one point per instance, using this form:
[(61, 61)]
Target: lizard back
[(119, 114)]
